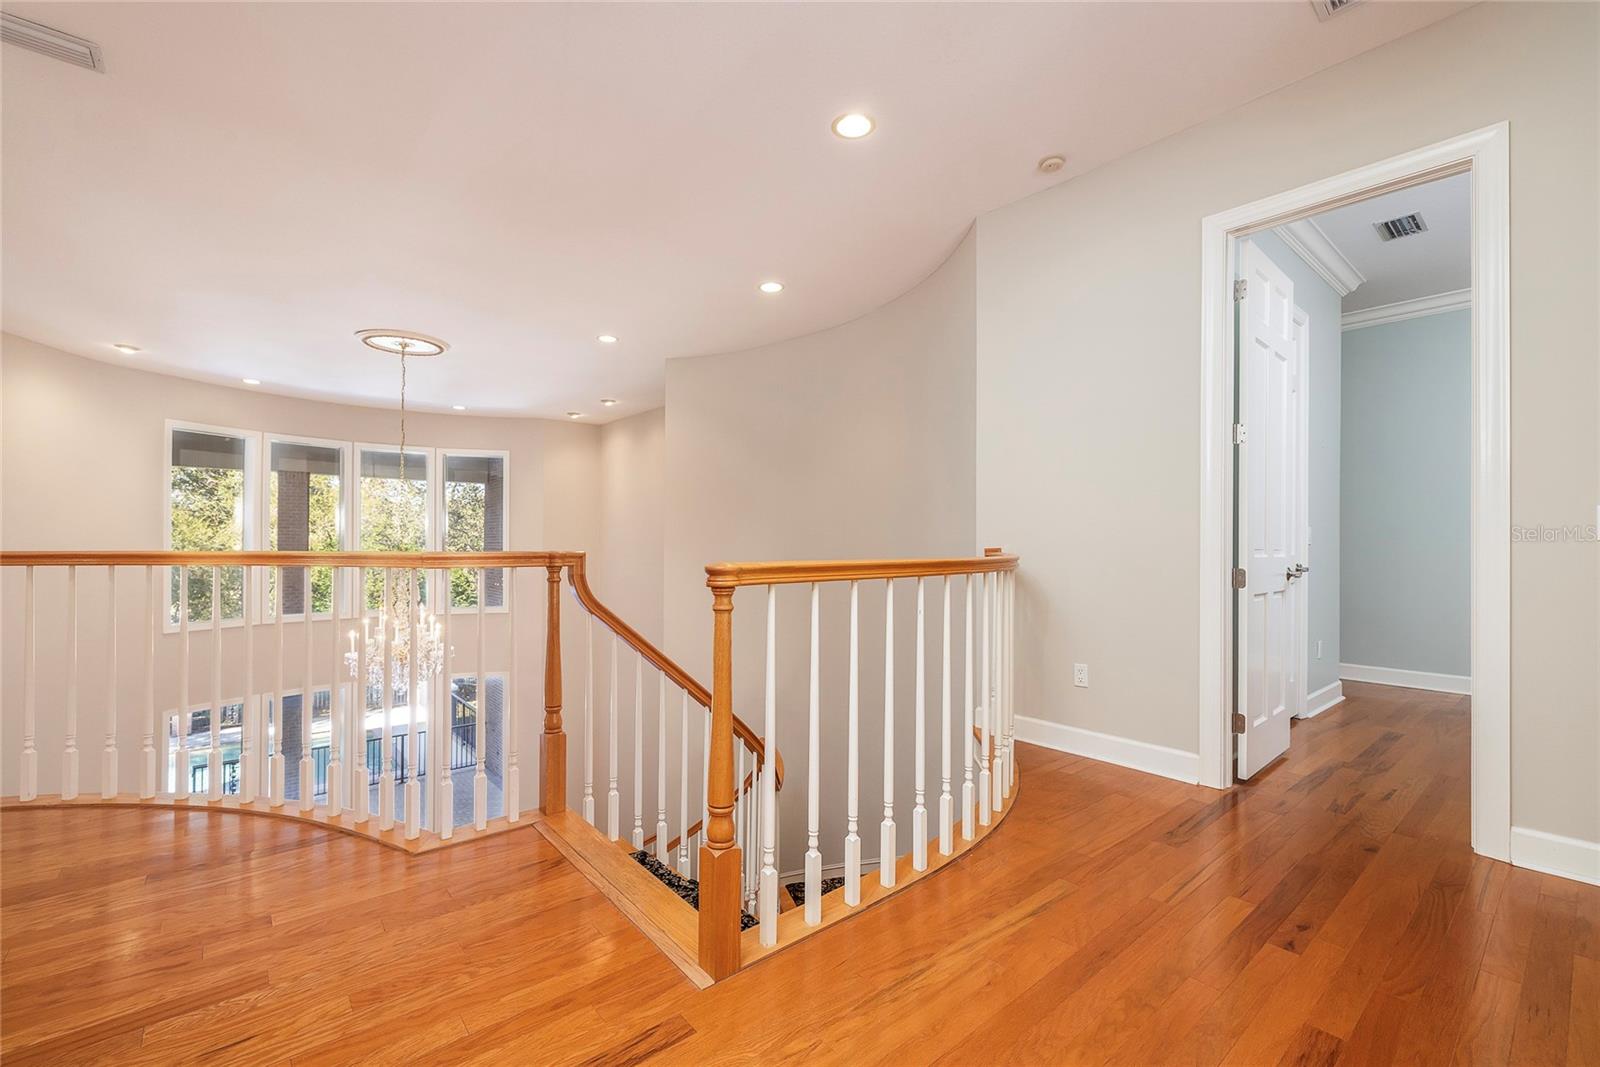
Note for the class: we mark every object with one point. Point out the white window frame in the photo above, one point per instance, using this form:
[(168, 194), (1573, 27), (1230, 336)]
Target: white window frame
[(439, 509), (250, 520), (347, 509)]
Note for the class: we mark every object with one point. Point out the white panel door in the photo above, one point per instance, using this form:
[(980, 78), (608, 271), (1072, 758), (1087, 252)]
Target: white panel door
[(1269, 538)]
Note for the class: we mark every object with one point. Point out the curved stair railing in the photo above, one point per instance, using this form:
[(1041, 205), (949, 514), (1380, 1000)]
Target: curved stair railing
[(212, 717), (988, 768)]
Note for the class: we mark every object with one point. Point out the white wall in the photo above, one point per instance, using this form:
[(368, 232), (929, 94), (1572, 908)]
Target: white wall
[(854, 442), (1088, 325), (1407, 486), (1321, 303)]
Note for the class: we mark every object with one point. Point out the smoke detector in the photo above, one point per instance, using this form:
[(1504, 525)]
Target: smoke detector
[(1404, 226), (1326, 9), (1051, 164), (36, 37)]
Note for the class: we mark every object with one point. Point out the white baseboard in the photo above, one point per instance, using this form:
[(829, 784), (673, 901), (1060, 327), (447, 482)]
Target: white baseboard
[(1323, 699), (1439, 683), (1139, 755), (1564, 857)]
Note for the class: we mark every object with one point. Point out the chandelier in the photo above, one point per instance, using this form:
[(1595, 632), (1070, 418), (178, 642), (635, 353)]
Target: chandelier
[(404, 632)]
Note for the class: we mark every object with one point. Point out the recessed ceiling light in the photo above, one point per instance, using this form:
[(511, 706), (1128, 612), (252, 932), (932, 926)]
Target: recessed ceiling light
[(608, 402), (127, 349), (251, 381), (396, 342), (606, 339), (853, 126), (458, 407), (772, 287), (574, 414)]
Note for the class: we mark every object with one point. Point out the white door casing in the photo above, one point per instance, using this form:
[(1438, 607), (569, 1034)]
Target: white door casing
[(1267, 527)]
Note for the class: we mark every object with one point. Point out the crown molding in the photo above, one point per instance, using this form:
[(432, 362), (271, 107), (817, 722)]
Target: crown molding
[(1437, 304), (1308, 241)]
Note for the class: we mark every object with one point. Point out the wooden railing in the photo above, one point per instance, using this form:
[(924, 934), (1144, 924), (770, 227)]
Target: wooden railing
[(721, 827), (988, 768), (259, 659)]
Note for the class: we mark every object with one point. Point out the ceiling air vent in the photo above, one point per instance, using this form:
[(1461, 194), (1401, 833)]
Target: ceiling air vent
[(1326, 9), (1404, 226), (50, 42)]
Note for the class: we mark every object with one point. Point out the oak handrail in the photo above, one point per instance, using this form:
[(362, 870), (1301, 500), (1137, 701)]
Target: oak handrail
[(664, 663), (790, 572), (413, 560)]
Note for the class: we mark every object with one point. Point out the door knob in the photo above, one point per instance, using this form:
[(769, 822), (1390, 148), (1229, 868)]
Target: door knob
[(1296, 571)]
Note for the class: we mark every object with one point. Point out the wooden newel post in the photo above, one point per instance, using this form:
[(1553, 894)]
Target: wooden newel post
[(719, 857), (553, 742)]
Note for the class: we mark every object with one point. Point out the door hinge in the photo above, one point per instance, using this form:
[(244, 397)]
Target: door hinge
[(1239, 433), (1238, 577), (1240, 287), (1238, 722)]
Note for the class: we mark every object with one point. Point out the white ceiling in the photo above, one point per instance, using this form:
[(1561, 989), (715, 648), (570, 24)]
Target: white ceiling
[(249, 184), (1438, 260)]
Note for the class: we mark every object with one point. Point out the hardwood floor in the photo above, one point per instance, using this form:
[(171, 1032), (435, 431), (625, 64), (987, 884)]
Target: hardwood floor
[(1329, 912)]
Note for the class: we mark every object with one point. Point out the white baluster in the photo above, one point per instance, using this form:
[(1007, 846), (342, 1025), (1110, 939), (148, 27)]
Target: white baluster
[(588, 719), (386, 744), (638, 752), (180, 785), (278, 770), (985, 777), (214, 755), (705, 785), (613, 798), (768, 891), (813, 890), (661, 770), (886, 842), (337, 729), (444, 823), (919, 808), (249, 709), (1011, 681), (480, 779), (968, 787), (852, 840), (308, 783), (150, 784), (741, 814), (108, 757), (69, 756), (511, 772), (30, 752), (414, 710), (997, 779), (683, 786), (946, 801)]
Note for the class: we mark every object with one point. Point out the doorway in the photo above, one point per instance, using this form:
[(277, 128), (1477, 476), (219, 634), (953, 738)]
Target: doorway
[(1225, 691)]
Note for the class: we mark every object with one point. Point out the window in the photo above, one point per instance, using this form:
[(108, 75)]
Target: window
[(208, 498), (475, 521), (393, 510), (305, 512)]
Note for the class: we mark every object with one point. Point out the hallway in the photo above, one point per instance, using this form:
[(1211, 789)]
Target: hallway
[(1330, 910)]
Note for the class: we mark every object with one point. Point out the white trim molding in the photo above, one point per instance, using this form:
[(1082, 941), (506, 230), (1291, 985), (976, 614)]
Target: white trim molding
[(1306, 239), (1456, 300), (1439, 683), (1323, 699), (1564, 857), (1486, 155), (1108, 748)]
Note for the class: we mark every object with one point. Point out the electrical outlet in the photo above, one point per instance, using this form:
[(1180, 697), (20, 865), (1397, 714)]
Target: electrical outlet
[(1080, 675)]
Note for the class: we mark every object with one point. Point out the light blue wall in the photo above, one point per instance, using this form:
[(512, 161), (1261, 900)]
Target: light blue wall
[(1407, 441), (1320, 302)]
